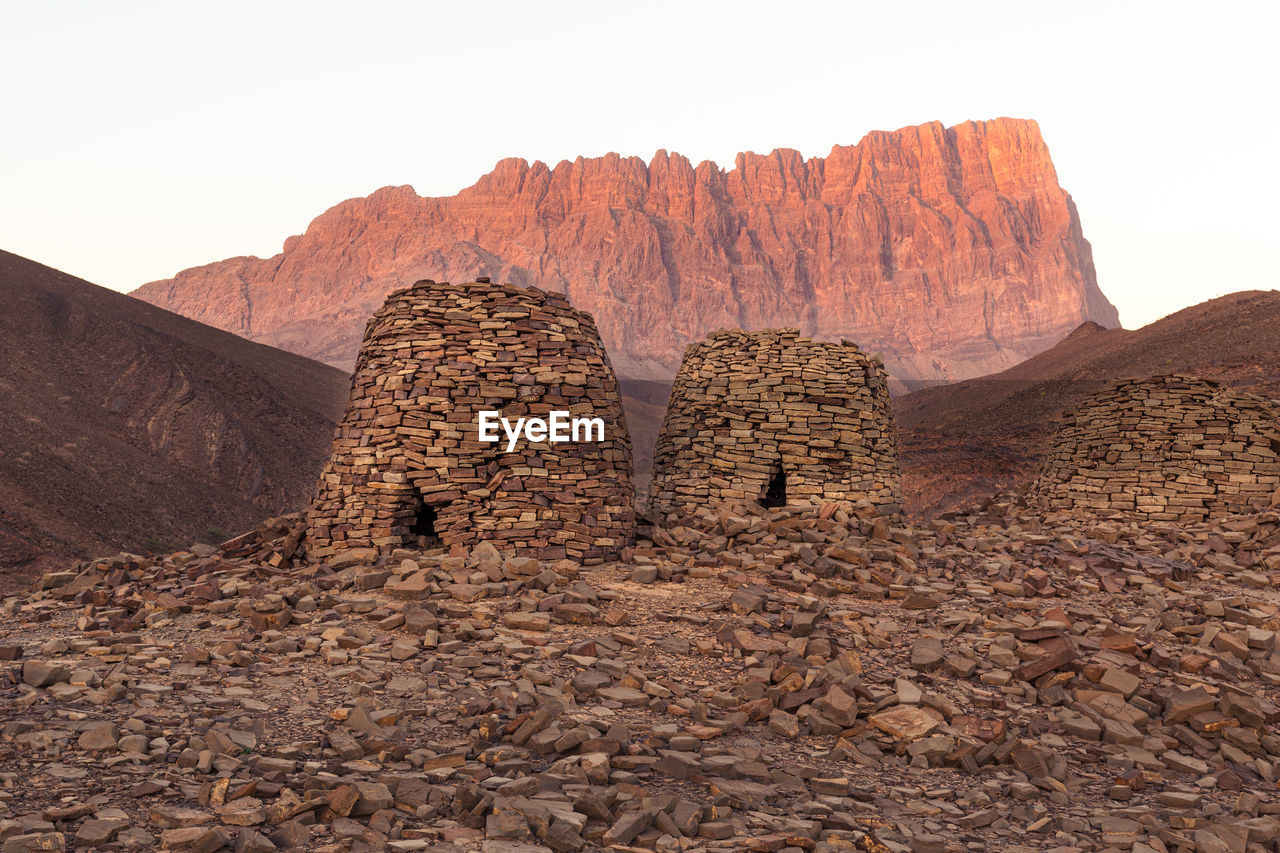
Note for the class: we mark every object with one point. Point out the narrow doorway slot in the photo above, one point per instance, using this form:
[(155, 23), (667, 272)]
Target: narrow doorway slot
[(775, 494), (424, 526)]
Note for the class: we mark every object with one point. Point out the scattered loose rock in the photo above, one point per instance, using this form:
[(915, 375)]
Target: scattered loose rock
[(772, 684)]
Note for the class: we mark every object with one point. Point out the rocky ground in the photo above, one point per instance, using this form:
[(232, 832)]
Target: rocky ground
[(802, 679)]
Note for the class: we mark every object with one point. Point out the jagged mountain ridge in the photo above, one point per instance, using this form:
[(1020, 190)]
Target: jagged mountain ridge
[(951, 250)]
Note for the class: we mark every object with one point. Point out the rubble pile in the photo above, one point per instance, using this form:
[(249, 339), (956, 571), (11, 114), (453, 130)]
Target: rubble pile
[(1170, 448), (775, 417), (813, 677), (409, 460)]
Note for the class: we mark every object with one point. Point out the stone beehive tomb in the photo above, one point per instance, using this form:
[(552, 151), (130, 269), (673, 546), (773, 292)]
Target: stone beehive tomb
[(776, 418), (408, 461), (1172, 448)]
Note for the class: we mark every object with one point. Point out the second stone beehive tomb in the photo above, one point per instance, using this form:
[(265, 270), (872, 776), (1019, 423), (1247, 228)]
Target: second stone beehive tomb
[(777, 418)]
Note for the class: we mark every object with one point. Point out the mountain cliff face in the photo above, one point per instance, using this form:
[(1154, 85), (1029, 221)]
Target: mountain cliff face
[(951, 250), (125, 426)]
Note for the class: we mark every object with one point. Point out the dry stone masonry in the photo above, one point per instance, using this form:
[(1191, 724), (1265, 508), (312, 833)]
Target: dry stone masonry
[(408, 461), (773, 417), (1173, 448)]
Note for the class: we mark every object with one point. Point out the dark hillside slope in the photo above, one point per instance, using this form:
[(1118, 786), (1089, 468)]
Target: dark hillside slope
[(127, 426)]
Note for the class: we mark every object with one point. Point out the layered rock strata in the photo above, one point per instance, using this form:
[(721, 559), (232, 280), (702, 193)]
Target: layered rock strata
[(408, 460), (778, 418), (953, 251), (1172, 448)]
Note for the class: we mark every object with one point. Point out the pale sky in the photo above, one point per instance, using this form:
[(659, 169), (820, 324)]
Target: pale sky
[(137, 139)]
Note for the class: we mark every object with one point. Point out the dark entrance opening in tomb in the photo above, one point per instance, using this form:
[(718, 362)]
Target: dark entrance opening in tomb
[(424, 525), (775, 494)]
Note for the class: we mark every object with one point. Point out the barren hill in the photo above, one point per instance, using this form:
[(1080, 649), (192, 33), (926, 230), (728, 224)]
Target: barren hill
[(974, 437), (953, 251), (126, 426)]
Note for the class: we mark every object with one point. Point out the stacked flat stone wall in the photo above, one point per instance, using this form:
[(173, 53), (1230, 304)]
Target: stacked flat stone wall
[(407, 458), (1173, 448), (756, 415)]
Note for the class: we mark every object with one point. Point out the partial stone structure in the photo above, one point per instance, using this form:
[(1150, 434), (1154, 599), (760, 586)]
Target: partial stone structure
[(1171, 448), (408, 461), (777, 418)]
